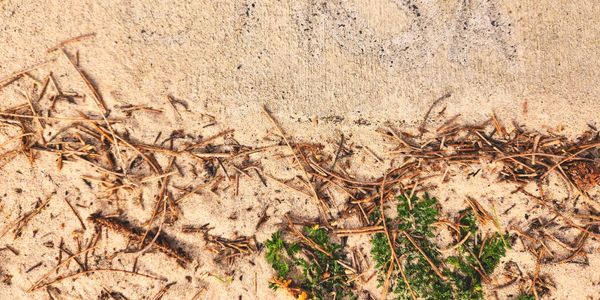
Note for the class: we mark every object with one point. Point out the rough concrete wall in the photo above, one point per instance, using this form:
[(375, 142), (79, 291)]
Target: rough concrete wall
[(375, 60)]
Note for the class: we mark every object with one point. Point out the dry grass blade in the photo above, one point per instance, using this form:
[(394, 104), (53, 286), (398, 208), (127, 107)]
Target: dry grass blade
[(23, 221), (87, 120), (436, 102), (132, 108), (196, 190), (69, 41), (389, 239), (306, 240), (33, 110), (171, 101), (362, 230), (75, 213), (10, 78), (205, 142), (433, 266), (163, 291), (88, 83), (481, 214), (62, 278), (12, 139), (36, 285)]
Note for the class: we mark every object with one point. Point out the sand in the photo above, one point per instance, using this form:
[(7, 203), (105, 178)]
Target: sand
[(323, 69)]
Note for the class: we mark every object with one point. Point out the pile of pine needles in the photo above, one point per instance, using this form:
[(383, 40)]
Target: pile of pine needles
[(57, 121)]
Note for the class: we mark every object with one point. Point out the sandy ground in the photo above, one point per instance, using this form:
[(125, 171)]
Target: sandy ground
[(324, 69)]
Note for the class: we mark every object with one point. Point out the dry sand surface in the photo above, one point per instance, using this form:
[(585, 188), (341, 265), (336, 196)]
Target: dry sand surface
[(189, 70)]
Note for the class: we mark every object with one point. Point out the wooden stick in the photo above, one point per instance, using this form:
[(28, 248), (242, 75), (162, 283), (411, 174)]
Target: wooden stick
[(387, 234), (22, 222), (33, 110), (35, 285), (59, 118), (207, 140), (363, 230), (195, 190), (75, 213), (210, 155), (433, 266), (59, 279), (88, 83), (8, 79), (170, 100), (12, 139), (71, 40), (288, 186)]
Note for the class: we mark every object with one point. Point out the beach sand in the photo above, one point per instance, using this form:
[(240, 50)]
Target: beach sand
[(324, 69)]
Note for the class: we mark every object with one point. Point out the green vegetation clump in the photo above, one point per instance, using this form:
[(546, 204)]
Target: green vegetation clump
[(310, 267), (305, 271), (526, 297), (417, 222), (455, 277)]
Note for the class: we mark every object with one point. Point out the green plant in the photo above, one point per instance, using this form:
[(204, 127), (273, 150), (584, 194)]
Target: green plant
[(277, 250), (526, 297), (476, 257), (306, 271), (415, 219), (428, 274)]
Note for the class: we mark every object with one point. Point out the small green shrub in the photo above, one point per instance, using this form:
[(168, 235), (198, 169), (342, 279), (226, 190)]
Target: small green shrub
[(306, 272), (526, 297), (463, 272)]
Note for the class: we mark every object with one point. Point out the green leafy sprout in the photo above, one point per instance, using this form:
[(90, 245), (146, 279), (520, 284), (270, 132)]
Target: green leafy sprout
[(475, 258), (526, 297), (307, 270)]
